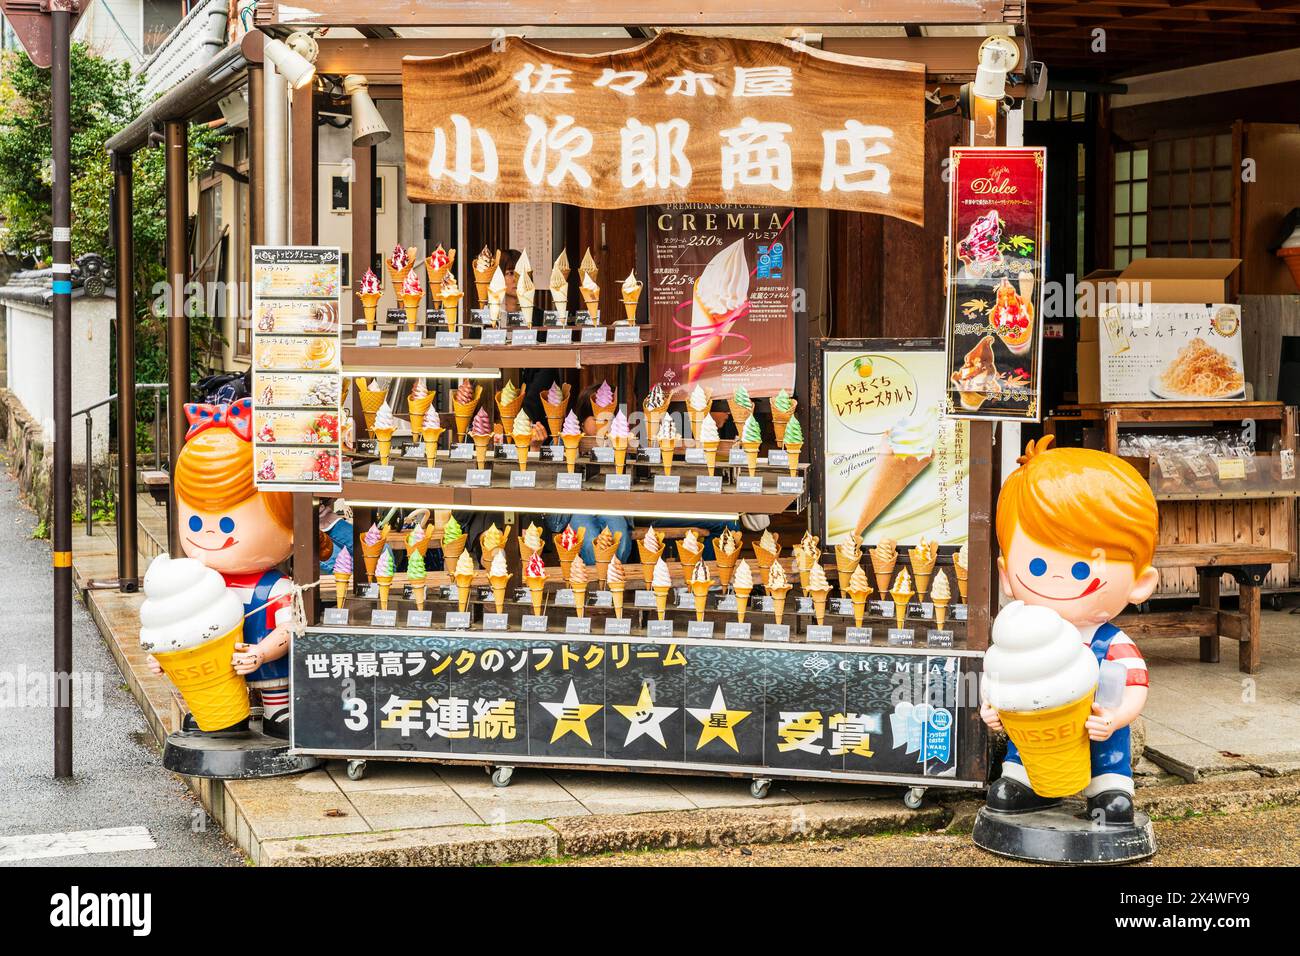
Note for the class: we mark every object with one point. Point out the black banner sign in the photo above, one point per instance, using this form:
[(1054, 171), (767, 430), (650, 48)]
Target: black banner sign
[(800, 710)]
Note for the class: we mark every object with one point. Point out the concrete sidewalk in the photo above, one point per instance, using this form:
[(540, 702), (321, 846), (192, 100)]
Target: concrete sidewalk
[(1204, 724)]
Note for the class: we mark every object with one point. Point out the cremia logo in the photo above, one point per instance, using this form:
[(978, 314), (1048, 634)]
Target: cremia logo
[(74, 909)]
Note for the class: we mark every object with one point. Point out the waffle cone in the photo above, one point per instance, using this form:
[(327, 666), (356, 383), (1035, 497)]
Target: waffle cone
[(370, 553), (555, 412), (742, 603), (411, 303), (961, 581), (778, 602), (751, 456), (521, 453), (885, 481), (525, 552), (764, 557), (940, 611), (421, 546), (620, 453), (370, 402), (604, 553), (653, 417), (687, 557), (884, 572), (572, 444), (648, 559), (579, 599), (901, 600), (415, 409), (369, 306), (509, 412), (451, 549), (661, 601), (725, 563), (385, 584), (1053, 746), (859, 599), (666, 449), (629, 309), (592, 301), (845, 567), (616, 593), (819, 605), (739, 414), (568, 554), (463, 581), (431, 436), (464, 411), (711, 455), (780, 419), (480, 449), (700, 591), (396, 277), (419, 592), (451, 309), (340, 591), (792, 449), (481, 288), (537, 591), (206, 679)]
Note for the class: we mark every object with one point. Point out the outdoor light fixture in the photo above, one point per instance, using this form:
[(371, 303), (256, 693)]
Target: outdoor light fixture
[(368, 127), (294, 58), (998, 56)]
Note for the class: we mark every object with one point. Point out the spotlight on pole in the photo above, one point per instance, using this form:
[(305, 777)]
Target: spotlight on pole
[(294, 58), (368, 127)]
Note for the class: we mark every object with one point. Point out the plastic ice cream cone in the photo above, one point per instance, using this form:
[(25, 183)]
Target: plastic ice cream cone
[(604, 553), (780, 419), (370, 402), (480, 449), (385, 584), (940, 611), (463, 581), (819, 604), (742, 603), (1291, 256), (922, 572), (661, 601), (901, 599), (763, 557), (580, 599), (341, 582), (384, 439), (960, 573), (464, 412), (700, 591), (510, 411), (430, 436), (555, 412), (778, 601), (420, 547), (648, 559), (419, 592), (1053, 745), (711, 455), (751, 455), (567, 555), (616, 593), (411, 303), (370, 553), (415, 409), (537, 590), (792, 449), (739, 414), (620, 453), (629, 309), (725, 564), (884, 571), (521, 452), (451, 309), (591, 298), (451, 550), (666, 449), (572, 443), (845, 567), (206, 679), (859, 599), (398, 276), (369, 306)]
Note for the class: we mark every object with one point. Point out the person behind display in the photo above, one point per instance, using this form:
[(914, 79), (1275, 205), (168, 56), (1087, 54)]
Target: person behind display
[(243, 533), (336, 525)]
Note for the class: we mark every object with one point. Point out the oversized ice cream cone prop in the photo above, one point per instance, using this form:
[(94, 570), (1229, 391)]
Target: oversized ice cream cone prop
[(537, 591), (751, 455), (341, 582), (859, 599), (620, 453), (463, 581), (819, 604), (780, 419), (778, 601), (370, 402), (416, 407), (742, 603), (572, 444), (464, 412), (700, 591), (480, 449), (1053, 745), (940, 611), (661, 601), (369, 306), (580, 599), (411, 303), (902, 597), (616, 594), (206, 679), (711, 455), (648, 559), (498, 591), (792, 449), (430, 436), (555, 412), (385, 582), (384, 440)]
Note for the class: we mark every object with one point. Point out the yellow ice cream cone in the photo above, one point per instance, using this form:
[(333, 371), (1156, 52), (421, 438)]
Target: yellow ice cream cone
[(710, 455), (751, 455), (480, 449), (700, 591), (521, 453), (385, 582), (451, 309), (537, 590), (819, 605), (418, 593), (411, 303), (430, 436), (792, 449), (961, 581), (648, 559), (384, 439), (1053, 745), (341, 588), (369, 306), (463, 581), (859, 599), (742, 603), (666, 448), (901, 600), (415, 409), (778, 601), (580, 599), (206, 679), (616, 593), (940, 611), (661, 601), (571, 446), (499, 582), (620, 453)]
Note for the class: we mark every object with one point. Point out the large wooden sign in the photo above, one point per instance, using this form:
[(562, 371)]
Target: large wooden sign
[(680, 118)]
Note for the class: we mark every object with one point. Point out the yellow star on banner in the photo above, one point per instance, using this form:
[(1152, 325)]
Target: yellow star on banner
[(644, 718), (571, 716), (718, 722)]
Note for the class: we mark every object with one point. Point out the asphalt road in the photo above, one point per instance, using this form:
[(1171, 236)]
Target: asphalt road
[(119, 780)]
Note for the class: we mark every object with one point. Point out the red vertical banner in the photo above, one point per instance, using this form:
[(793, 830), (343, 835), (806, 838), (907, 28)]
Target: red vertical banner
[(995, 282), (722, 298)]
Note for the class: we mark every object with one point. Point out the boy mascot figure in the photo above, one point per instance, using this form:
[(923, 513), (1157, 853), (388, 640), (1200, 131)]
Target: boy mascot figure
[(231, 527), (1077, 531)]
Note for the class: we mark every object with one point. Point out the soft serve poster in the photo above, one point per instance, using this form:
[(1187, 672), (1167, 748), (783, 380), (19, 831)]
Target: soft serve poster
[(721, 293), (895, 465)]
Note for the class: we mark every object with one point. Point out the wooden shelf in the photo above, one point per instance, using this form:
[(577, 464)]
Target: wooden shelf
[(1171, 412), (471, 356)]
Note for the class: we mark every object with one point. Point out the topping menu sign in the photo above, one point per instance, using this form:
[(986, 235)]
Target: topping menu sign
[(681, 118), (721, 295)]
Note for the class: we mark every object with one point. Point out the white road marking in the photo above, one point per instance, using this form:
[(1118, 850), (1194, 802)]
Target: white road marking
[(36, 846)]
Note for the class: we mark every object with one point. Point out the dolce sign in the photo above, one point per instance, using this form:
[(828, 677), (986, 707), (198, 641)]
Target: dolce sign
[(678, 119)]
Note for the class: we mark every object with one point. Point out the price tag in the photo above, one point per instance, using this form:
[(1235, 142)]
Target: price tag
[(493, 337), (564, 481), (435, 316), (557, 337), (776, 632), (708, 484), (523, 479), (1232, 468), (577, 625), (736, 455), (668, 484), (478, 478), (777, 458), (1286, 464), (959, 612), (335, 616), (523, 337), (619, 483), (447, 340), (479, 315), (582, 318), (595, 335), (937, 638), (803, 605), (786, 485), (518, 318), (456, 620), (346, 471), (603, 599), (727, 602), (496, 622), (643, 598), (819, 634), (380, 618), (857, 635), (419, 618), (900, 637), (462, 452), (395, 316), (409, 340), (683, 597), (368, 339), (699, 629), (551, 317), (627, 333), (413, 451), (618, 625), (534, 623), (659, 629), (428, 476), (695, 456), (380, 473), (746, 485), (842, 606), (603, 454), (564, 597), (737, 631)]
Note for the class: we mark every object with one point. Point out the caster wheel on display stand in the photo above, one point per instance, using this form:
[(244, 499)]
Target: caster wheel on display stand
[(356, 769), (759, 788), (914, 798), (501, 776)]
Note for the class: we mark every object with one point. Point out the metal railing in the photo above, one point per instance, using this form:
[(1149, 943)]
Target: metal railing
[(157, 388)]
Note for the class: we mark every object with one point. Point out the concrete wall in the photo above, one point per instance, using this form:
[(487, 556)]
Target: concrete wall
[(28, 350)]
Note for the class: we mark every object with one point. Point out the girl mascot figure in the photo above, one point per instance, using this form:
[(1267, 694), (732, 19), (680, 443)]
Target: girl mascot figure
[(243, 533), (1077, 531)]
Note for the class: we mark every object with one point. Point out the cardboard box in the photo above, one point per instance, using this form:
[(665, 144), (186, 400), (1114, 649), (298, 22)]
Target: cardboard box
[(1089, 365)]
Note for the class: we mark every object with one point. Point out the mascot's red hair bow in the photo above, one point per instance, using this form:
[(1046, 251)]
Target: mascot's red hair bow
[(237, 417)]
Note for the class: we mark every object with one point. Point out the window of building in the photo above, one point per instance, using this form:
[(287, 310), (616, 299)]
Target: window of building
[(158, 19), (1191, 195), (1129, 240)]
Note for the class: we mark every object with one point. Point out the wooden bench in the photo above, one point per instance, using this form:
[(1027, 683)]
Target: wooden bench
[(1248, 564), (158, 484)]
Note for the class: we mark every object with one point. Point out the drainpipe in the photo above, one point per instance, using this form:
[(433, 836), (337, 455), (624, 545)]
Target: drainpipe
[(178, 320), (275, 149), (128, 571)]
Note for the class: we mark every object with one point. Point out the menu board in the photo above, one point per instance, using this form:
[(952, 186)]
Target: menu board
[(995, 282), (894, 464), (1171, 352), (721, 297), (297, 375)]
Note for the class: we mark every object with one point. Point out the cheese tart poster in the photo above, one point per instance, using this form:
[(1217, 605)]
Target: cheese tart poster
[(297, 370), (894, 463), (995, 282), (721, 295)]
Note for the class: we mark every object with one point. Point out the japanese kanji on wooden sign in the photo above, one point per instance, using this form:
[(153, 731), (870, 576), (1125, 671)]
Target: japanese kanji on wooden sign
[(681, 118)]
